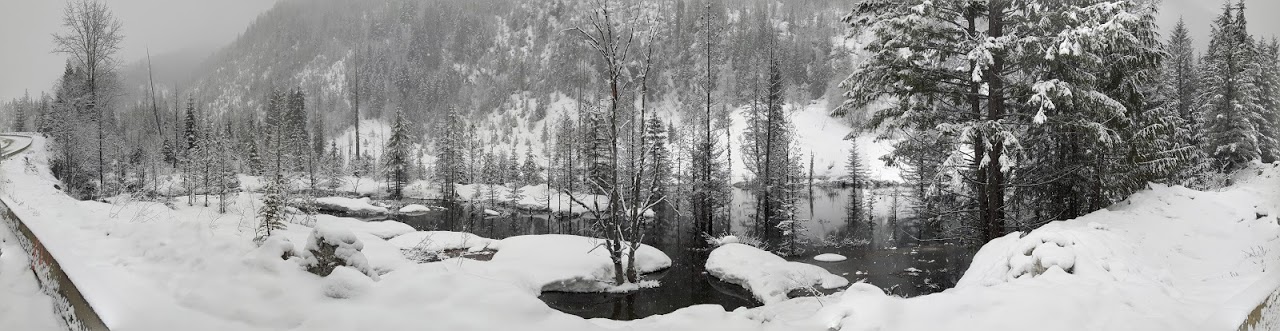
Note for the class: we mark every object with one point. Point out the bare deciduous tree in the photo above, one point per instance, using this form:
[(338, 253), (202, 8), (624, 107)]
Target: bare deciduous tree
[(92, 38)]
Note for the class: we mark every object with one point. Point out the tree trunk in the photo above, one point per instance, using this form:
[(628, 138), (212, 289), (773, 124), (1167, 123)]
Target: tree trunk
[(995, 111)]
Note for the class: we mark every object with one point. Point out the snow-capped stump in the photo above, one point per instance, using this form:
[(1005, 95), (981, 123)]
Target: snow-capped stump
[(331, 247), (769, 278)]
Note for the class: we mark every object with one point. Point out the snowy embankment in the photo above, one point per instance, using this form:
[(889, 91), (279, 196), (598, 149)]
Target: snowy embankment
[(767, 276)]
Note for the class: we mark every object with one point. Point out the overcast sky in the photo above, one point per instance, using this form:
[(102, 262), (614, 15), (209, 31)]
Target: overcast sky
[(26, 28)]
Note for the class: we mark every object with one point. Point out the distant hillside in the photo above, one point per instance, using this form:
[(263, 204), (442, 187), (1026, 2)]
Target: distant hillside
[(428, 55)]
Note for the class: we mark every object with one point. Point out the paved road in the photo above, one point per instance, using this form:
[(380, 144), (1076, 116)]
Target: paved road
[(13, 144)]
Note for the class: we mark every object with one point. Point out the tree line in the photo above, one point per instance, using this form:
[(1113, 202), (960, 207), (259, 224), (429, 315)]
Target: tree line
[(1012, 114)]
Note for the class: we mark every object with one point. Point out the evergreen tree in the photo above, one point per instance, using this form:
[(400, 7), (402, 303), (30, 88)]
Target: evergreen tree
[(334, 168), (227, 183), (1231, 94), (857, 179), (1180, 90), (271, 216), (20, 114), (450, 164), (1268, 80), (531, 173), (767, 147), (190, 132), (396, 157), (1028, 96)]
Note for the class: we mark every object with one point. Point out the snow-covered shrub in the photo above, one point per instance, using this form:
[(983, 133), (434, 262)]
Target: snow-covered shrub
[(331, 247)]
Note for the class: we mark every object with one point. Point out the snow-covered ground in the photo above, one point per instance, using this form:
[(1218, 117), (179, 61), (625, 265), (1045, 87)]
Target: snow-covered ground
[(1166, 259), (1169, 258)]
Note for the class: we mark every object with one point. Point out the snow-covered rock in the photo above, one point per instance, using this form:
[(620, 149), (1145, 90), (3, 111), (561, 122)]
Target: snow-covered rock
[(414, 209), (766, 275), (829, 257)]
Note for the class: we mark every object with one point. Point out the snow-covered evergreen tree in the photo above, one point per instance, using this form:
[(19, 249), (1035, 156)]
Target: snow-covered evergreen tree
[(451, 158), (271, 216), (531, 172), (1012, 87), (767, 148), (1180, 81), (1231, 95), (1268, 81), (395, 157)]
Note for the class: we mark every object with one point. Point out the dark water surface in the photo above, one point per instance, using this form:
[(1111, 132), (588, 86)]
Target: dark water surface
[(901, 267)]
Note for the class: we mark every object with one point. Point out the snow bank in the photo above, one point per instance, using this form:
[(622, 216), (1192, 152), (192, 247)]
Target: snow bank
[(361, 206), (1168, 258), (767, 276)]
